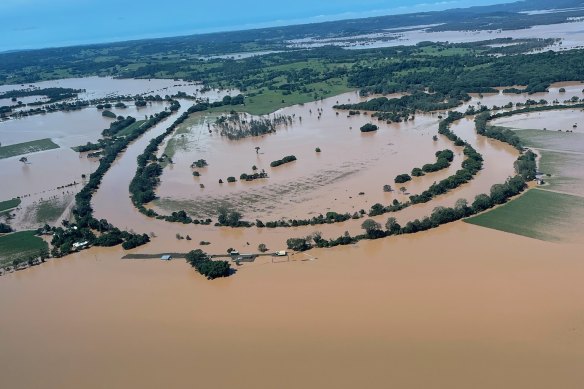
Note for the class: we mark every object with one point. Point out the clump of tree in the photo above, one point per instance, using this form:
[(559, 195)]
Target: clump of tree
[(253, 176), (298, 244), (238, 126), (526, 165), (201, 163), (230, 218), (179, 217), (372, 229), (417, 172), (369, 127), (203, 264), (402, 108), (402, 178), (108, 114), (287, 159), (444, 158)]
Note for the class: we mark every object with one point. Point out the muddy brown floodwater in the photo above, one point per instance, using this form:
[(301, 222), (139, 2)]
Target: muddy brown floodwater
[(456, 307)]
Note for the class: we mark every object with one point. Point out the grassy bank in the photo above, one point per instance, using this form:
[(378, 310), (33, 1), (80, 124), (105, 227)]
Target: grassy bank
[(9, 204), (538, 214), (27, 148), (19, 245)]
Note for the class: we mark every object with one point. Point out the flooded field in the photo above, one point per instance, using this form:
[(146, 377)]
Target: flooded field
[(571, 36), (407, 312), (100, 87), (43, 177), (562, 152), (565, 120)]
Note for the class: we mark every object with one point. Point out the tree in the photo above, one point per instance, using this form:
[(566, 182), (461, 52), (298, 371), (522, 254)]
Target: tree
[(23, 160), (205, 266), (387, 188), (371, 227), (369, 127), (257, 149), (499, 193), (234, 218), (262, 248), (298, 244), (392, 226), (481, 203), (402, 178)]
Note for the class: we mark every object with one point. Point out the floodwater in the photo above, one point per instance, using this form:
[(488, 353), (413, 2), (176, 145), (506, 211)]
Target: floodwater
[(224, 157), (571, 35), (456, 307)]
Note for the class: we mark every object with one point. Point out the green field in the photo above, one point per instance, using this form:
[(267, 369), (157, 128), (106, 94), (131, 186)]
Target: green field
[(27, 148), (538, 214), (19, 245), (9, 204), (267, 101)]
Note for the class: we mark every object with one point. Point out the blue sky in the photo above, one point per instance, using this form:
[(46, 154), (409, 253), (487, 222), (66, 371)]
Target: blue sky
[(26, 24)]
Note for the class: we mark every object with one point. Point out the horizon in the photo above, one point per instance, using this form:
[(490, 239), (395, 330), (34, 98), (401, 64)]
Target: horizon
[(50, 25)]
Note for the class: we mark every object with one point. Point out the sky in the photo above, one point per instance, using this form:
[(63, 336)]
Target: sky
[(28, 24)]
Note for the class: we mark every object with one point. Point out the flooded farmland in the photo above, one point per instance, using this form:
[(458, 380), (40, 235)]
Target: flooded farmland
[(408, 310)]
